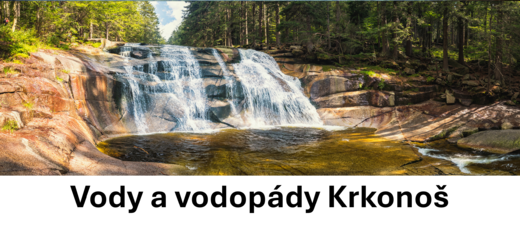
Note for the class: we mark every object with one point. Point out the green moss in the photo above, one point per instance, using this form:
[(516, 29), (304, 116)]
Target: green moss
[(444, 134), (59, 79), (9, 70), (327, 68), (28, 105)]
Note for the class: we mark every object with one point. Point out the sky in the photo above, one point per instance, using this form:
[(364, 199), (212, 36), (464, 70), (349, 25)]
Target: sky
[(170, 16)]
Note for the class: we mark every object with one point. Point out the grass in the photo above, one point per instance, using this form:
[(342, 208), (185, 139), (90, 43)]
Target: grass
[(59, 79), (430, 79), (65, 71), (9, 70), (10, 126)]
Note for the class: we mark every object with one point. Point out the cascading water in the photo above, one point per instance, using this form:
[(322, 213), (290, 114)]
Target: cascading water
[(258, 93), (186, 87), (271, 97)]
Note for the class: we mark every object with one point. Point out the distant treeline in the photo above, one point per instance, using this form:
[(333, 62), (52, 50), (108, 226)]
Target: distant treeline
[(465, 30), (60, 21)]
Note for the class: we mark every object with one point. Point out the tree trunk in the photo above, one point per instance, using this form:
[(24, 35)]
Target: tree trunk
[(310, 45), (260, 18), (266, 23), (90, 30), (16, 14), (490, 57), (246, 32), (338, 17), (106, 30), (253, 21), (394, 33), (408, 41), (498, 57), (277, 24), (384, 39), (445, 67), (328, 24), (460, 34)]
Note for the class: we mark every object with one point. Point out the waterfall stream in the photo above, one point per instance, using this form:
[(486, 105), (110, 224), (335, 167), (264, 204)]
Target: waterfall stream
[(169, 92)]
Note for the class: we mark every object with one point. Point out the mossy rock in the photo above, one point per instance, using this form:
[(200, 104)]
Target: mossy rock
[(494, 141)]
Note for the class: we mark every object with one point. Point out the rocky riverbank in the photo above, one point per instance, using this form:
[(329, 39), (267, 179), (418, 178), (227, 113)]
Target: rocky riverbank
[(56, 106)]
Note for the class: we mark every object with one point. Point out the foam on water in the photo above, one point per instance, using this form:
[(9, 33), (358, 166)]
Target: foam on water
[(463, 160)]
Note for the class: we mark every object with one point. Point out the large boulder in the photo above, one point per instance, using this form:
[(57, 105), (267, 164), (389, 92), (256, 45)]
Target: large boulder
[(332, 85), (494, 141)]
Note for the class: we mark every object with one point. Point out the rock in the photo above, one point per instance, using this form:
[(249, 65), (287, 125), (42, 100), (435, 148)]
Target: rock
[(332, 85), (465, 102), (510, 103), (471, 83), (506, 125), (449, 78), (469, 131), (391, 64), (409, 71), (494, 141), (450, 99), (49, 59), (440, 81), (515, 96), (11, 116), (295, 47), (297, 52), (357, 98), (466, 77)]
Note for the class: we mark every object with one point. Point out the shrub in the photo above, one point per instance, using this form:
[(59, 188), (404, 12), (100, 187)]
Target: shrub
[(10, 126)]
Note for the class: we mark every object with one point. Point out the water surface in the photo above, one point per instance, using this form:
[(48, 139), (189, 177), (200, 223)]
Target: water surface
[(304, 151)]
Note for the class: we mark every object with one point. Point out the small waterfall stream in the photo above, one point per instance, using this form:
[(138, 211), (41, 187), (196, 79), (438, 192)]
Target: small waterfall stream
[(169, 93)]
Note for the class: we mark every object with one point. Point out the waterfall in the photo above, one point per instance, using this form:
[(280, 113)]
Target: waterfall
[(187, 88), (272, 98), (171, 87)]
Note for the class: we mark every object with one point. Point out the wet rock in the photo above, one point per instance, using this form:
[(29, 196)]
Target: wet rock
[(220, 109), (333, 85), (140, 52), (494, 141)]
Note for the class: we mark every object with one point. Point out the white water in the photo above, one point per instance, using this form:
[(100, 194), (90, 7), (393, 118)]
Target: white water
[(463, 160), (187, 88), (271, 97)]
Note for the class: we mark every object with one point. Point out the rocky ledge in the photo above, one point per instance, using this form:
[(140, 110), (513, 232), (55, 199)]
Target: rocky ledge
[(50, 121)]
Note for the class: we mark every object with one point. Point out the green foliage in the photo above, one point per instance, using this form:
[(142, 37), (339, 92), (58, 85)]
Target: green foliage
[(10, 125), (28, 105), (368, 73), (20, 42), (9, 70), (381, 84), (430, 79), (59, 79)]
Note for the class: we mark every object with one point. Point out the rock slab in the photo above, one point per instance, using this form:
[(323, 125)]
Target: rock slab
[(494, 141)]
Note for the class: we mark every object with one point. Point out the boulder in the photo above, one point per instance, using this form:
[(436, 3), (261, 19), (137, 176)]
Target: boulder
[(335, 84), (494, 141), (409, 71), (465, 102), (450, 99)]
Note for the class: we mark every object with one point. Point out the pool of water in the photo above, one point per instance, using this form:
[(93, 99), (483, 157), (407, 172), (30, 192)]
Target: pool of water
[(304, 151)]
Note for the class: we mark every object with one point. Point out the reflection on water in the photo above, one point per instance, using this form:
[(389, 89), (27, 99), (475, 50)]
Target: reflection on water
[(294, 151)]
